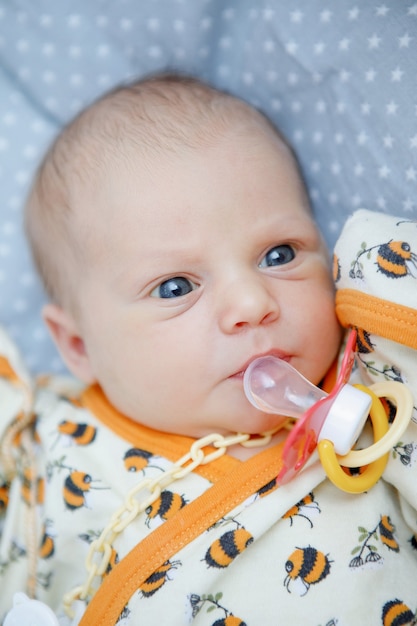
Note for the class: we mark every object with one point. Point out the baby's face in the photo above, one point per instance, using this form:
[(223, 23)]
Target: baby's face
[(199, 264)]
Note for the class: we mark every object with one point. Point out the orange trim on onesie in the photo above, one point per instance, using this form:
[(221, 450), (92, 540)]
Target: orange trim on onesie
[(166, 540), (168, 445), (383, 318)]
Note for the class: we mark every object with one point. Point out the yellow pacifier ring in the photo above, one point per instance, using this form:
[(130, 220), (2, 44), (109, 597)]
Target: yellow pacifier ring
[(375, 457)]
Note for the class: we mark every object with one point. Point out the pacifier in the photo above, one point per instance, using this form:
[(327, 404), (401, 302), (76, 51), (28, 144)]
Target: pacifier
[(28, 611), (332, 422)]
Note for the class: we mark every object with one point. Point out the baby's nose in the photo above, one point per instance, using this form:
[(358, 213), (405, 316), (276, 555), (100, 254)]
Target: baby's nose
[(248, 303)]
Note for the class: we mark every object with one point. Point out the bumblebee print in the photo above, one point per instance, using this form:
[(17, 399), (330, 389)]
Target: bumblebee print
[(77, 486), (364, 344), (305, 507), (74, 433), (137, 460), (75, 491), (47, 546), (158, 579), (394, 259), (4, 496), (268, 488), (305, 567), (226, 548), (32, 487), (212, 603), (396, 613), (166, 506), (367, 550)]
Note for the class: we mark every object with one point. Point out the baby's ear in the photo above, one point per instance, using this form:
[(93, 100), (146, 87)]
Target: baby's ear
[(69, 342)]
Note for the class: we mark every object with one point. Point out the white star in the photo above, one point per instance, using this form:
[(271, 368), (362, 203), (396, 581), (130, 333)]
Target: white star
[(319, 47), (76, 79), (344, 44), (362, 138), (269, 45), (45, 20), (373, 42), (296, 16), (248, 78), (370, 75), (325, 16), (396, 75), (154, 52), (404, 41), (383, 171), (291, 47), (225, 42), (48, 77), (353, 13), (268, 14), (388, 141), (73, 20), (292, 78), (413, 142), (392, 108), (411, 173), (125, 24), (228, 14), (22, 45), (48, 49), (382, 11), (74, 52), (153, 24), (206, 23), (103, 50), (102, 20), (412, 10)]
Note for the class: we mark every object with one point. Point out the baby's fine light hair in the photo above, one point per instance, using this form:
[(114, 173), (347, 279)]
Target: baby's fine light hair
[(161, 113)]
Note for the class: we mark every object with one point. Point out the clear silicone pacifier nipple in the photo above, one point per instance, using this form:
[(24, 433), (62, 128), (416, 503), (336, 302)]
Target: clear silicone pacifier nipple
[(274, 386)]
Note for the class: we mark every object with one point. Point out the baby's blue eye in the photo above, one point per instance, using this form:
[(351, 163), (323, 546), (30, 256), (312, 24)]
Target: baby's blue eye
[(279, 255), (174, 288)]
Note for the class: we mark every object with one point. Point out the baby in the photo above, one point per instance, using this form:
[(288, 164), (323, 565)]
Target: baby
[(172, 230)]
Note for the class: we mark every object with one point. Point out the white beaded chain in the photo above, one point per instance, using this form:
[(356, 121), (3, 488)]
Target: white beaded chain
[(143, 495)]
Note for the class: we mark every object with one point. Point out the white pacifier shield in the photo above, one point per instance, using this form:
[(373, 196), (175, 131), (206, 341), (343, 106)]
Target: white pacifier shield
[(346, 418), (27, 612)]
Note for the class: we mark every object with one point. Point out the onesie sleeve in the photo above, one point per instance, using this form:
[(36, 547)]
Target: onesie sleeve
[(375, 273), (18, 484)]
